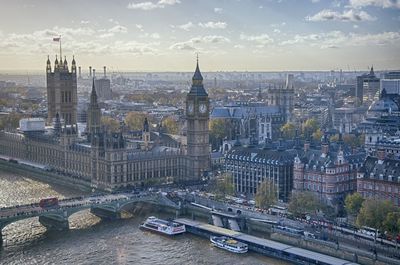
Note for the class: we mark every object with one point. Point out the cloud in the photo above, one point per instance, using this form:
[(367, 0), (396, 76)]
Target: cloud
[(339, 39), (118, 29), (218, 10), (154, 35), (106, 35), (191, 44), (139, 26), (261, 40), (183, 46), (377, 3), (146, 6), (314, 1), (186, 26), (276, 25), (84, 22), (78, 40), (346, 16), (215, 39), (277, 31), (213, 25)]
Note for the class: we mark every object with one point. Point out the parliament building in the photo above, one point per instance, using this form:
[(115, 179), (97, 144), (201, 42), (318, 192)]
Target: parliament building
[(105, 160)]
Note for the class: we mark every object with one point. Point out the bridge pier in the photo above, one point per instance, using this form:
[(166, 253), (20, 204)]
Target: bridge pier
[(54, 222)]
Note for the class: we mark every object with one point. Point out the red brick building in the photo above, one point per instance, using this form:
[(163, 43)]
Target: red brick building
[(379, 178)]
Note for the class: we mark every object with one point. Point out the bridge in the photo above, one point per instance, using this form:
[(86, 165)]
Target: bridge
[(107, 206)]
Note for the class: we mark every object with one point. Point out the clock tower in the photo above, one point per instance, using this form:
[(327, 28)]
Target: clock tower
[(197, 116)]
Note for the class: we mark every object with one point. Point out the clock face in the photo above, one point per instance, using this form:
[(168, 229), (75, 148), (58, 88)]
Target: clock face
[(190, 107), (202, 108)]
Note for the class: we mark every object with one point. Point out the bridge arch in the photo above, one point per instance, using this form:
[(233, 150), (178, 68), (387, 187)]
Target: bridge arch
[(124, 205)]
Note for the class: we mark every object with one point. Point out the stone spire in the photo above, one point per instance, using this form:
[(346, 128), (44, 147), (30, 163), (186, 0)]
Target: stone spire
[(93, 95), (197, 88), (56, 64), (94, 113), (145, 125), (371, 72), (48, 65)]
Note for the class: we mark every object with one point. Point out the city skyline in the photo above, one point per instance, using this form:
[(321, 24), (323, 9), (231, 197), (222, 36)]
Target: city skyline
[(165, 35)]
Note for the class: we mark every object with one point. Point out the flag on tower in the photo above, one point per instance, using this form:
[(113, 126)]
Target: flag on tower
[(57, 39)]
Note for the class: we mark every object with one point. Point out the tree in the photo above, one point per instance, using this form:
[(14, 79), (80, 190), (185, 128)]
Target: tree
[(353, 203), (317, 135), (373, 212), (110, 123), (10, 121), (391, 224), (309, 127), (134, 120), (219, 129), (170, 125), (288, 130), (224, 185), (303, 202), (266, 194)]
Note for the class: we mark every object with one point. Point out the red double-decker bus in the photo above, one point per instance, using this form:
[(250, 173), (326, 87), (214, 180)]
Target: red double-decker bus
[(48, 202)]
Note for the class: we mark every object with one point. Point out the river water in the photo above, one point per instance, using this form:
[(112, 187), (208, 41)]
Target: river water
[(93, 241)]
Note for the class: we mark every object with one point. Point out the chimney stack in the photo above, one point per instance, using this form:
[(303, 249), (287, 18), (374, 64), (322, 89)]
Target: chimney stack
[(381, 154), (105, 72), (90, 71), (325, 148), (79, 71), (306, 146)]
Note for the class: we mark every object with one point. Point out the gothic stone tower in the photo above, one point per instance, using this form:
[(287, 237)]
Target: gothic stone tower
[(94, 114), (62, 95), (197, 115)]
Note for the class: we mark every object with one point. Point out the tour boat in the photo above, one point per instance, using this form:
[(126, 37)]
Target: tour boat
[(163, 226), (229, 244)]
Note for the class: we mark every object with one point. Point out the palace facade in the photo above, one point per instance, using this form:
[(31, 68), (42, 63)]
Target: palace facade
[(104, 159)]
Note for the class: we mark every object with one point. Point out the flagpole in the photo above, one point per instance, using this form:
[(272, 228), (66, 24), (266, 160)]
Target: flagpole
[(60, 50)]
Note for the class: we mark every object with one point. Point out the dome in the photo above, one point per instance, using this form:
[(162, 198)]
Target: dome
[(383, 105)]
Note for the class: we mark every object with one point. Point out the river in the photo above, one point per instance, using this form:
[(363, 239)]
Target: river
[(93, 241)]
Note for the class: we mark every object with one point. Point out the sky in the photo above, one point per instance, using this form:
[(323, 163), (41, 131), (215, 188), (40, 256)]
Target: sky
[(228, 35)]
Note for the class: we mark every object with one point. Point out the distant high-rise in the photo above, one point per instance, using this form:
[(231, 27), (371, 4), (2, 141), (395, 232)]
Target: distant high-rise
[(367, 85), (103, 87), (289, 80), (61, 91)]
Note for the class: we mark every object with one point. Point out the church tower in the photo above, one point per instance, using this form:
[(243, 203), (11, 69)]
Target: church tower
[(146, 134), (197, 116), (62, 91), (94, 114)]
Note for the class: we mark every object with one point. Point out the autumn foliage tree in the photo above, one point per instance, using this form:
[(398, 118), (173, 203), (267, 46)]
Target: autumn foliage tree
[(111, 124), (303, 202), (353, 203), (288, 130), (134, 120), (171, 125), (224, 185), (10, 121), (309, 127), (266, 194), (219, 129)]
